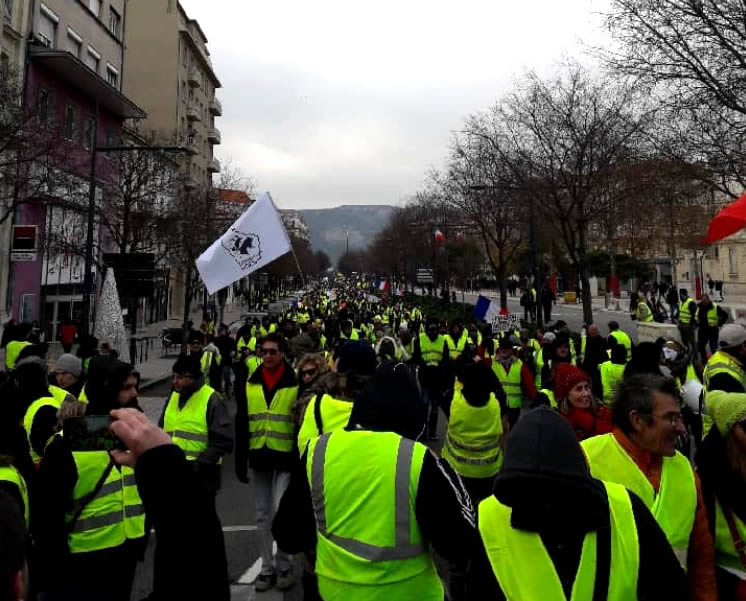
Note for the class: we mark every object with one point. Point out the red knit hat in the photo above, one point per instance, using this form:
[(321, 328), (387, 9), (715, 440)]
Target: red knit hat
[(566, 376)]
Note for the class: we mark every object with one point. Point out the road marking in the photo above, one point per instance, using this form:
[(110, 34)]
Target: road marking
[(239, 528), (250, 575)]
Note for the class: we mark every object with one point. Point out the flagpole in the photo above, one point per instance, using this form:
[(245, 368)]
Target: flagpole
[(297, 263)]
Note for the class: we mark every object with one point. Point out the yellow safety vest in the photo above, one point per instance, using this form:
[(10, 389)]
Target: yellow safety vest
[(611, 377), (726, 555), (334, 414), (115, 514), (9, 473), (623, 339), (206, 361), (550, 395), (675, 503), (524, 569), (511, 382), (253, 362), (83, 396), (28, 421), (643, 312), (712, 316), (187, 426), (456, 348), (243, 343), (12, 350), (432, 350), (720, 363), (59, 394), (271, 426), (354, 335), (686, 312), (369, 543), (472, 444)]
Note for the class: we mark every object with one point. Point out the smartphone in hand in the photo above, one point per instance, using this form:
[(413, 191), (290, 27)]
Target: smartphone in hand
[(91, 433)]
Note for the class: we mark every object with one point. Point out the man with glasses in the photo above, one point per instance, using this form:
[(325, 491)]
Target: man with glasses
[(265, 439), (641, 455)]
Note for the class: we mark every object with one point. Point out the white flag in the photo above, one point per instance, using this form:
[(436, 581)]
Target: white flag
[(258, 237)]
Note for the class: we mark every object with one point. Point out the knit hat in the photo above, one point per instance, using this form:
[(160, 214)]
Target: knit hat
[(187, 365), (70, 364), (566, 376), (726, 409), (357, 357)]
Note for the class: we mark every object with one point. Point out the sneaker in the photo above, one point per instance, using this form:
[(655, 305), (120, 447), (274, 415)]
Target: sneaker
[(264, 582), (285, 580)]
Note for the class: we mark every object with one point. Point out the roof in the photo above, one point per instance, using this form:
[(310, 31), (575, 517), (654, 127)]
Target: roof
[(235, 196)]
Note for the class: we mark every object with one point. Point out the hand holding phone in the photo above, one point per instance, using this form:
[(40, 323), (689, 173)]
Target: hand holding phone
[(137, 432), (91, 433)]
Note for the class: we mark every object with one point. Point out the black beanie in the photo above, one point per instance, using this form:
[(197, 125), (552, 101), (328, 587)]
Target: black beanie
[(187, 365)]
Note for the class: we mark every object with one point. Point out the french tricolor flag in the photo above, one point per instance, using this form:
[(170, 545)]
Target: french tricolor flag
[(384, 286)]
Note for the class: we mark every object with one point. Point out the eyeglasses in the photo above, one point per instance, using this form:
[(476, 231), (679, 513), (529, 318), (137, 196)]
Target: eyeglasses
[(308, 372), (671, 418), (269, 351)]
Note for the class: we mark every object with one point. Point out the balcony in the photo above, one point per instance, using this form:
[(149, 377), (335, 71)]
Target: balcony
[(193, 78), (191, 146), (213, 166), (216, 108), (213, 135), (193, 114), (191, 183)]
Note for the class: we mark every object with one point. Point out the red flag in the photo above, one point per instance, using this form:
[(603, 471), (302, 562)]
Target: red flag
[(727, 222)]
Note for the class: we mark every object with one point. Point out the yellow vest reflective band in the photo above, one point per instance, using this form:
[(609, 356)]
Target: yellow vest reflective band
[(335, 415), (511, 382), (623, 339), (432, 350), (12, 350), (726, 556), (271, 426), (114, 515), (686, 311), (611, 377), (58, 394), (28, 420), (472, 444), (456, 348), (206, 362), (368, 536), (8, 473), (188, 426), (675, 503), (524, 568), (550, 395), (712, 316)]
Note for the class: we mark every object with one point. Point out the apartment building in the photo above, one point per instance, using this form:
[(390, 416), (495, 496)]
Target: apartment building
[(169, 73), (74, 66), (15, 19)]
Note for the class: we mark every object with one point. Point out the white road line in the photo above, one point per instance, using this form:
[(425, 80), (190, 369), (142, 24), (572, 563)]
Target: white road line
[(239, 528), (250, 575)]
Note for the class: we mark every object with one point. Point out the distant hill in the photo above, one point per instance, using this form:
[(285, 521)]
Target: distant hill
[(329, 227)]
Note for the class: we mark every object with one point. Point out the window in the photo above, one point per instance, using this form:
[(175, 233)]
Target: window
[(68, 130), (112, 76), (47, 26), (95, 6), (43, 107), (115, 22), (183, 91), (74, 43), (90, 126), (4, 65), (9, 8), (92, 59), (732, 261)]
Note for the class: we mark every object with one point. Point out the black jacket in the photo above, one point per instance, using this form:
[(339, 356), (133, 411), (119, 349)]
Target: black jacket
[(545, 479)]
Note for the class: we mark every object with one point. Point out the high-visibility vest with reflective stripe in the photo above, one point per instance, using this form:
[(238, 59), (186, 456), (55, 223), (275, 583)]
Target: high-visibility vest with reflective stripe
[(583, 344), (611, 377), (510, 381), (58, 394), (539, 363), (525, 571), (114, 515), (367, 529), (188, 427), (9, 473), (550, 395), (472, 444), (712, 316), (28, 420), (675, 503), (623, 339), (253, 362), (354, 335), (723, 363), (432, 350), (726, 555), (12, 350), (271, 426), (335, 415), (243, 343), (206, 361), (686, 311), (455, 348)]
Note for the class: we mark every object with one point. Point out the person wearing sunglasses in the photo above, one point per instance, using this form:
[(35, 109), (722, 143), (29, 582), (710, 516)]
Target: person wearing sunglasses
[(721, 464), (265, 442), (640, 454), (311, 369)]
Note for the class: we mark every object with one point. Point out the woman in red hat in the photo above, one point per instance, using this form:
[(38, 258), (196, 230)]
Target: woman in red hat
[(576, 403)]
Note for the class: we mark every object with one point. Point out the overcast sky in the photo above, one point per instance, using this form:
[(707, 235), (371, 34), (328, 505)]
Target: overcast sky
[(336, 102)]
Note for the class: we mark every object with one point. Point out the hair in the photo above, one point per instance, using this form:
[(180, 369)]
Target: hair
[(316, 359), (278, 339), (13, 548), (618, 354), (636, 394), (70, 407), (613, 325)]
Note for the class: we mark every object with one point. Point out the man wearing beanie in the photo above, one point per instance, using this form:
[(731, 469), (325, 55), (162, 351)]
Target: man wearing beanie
[(67, 371), (197, 419), (721, 465), (548, 529)]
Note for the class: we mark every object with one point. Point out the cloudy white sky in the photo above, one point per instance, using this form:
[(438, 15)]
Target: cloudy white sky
[(336, 102)]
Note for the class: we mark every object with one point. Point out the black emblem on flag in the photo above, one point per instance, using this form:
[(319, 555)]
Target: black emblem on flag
[(244, 247)]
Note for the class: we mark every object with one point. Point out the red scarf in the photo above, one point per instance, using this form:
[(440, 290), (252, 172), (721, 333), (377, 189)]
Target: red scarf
[(272, 376)]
